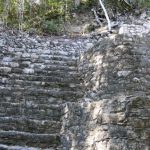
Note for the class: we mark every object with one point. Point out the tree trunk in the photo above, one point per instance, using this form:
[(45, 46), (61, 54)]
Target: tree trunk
[(77, 3)]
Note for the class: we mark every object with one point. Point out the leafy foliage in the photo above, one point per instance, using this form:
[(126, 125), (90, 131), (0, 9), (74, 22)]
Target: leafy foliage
[(51, 27), (43, 14), (49, 15), (122, 5), (140, 3)]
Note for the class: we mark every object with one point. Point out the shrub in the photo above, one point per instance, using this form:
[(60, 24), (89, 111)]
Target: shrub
[(123, 5), (51, 27), (54, 14)]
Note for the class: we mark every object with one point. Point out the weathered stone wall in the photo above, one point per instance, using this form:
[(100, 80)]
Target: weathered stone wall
[(37, 76), (51, 98), (115, 111)]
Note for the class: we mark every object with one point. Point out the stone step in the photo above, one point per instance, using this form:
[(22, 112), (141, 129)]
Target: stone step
[(37, 63), (43, 63), (26, 88), (58, 57), (47, 81), (53, 77), (41, 80), (28, 70), (35, 52), (64, 73), (31, 111), (6, 147), (27, 91), (29, 139), (57, 62), (25, 63), (29, 125), (56, 78), (41, 99), (53, 51), (56, 93), (64, 54), (57, 52), (74, 87), (61, 68), (41, 75), (44, 58), (57, 73)]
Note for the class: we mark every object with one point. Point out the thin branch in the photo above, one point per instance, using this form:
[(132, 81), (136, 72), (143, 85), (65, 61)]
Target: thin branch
[(106, 15), (96, 17)]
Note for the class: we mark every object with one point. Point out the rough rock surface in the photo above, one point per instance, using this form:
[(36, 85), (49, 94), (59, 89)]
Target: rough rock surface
[(116, 111), (75, 94), (38, 75)]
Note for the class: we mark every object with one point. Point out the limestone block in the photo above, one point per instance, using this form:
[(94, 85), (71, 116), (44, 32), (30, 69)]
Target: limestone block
[(7, 59), (124, 73), (14, 64), (89, 45), (28, 71), (25, 55), (5, 69), (112, 118), (133, 30), (34, 56), (147, 25), (4, 80)]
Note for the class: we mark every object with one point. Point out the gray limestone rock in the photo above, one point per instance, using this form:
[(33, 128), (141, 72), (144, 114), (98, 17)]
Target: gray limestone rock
[(61, 93)]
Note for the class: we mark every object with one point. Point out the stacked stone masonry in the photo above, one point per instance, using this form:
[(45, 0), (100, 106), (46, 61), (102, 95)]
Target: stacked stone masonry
[(74, 94), (37, 76)]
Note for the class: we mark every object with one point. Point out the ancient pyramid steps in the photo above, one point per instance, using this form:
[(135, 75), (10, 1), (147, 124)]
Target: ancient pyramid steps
[(31, 111), (30, 139), (29, 125), (6, 147), (34, 85)]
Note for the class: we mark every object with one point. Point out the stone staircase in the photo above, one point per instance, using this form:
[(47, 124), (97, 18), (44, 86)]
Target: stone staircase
[(35, 82)]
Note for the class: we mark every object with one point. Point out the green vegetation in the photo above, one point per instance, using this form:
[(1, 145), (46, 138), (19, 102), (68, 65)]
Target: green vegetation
[(50, 15), (43, 15), (123, 5)]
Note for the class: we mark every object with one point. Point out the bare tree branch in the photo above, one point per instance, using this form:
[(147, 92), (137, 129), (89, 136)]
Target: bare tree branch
[(96, 17), (106, 15)]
